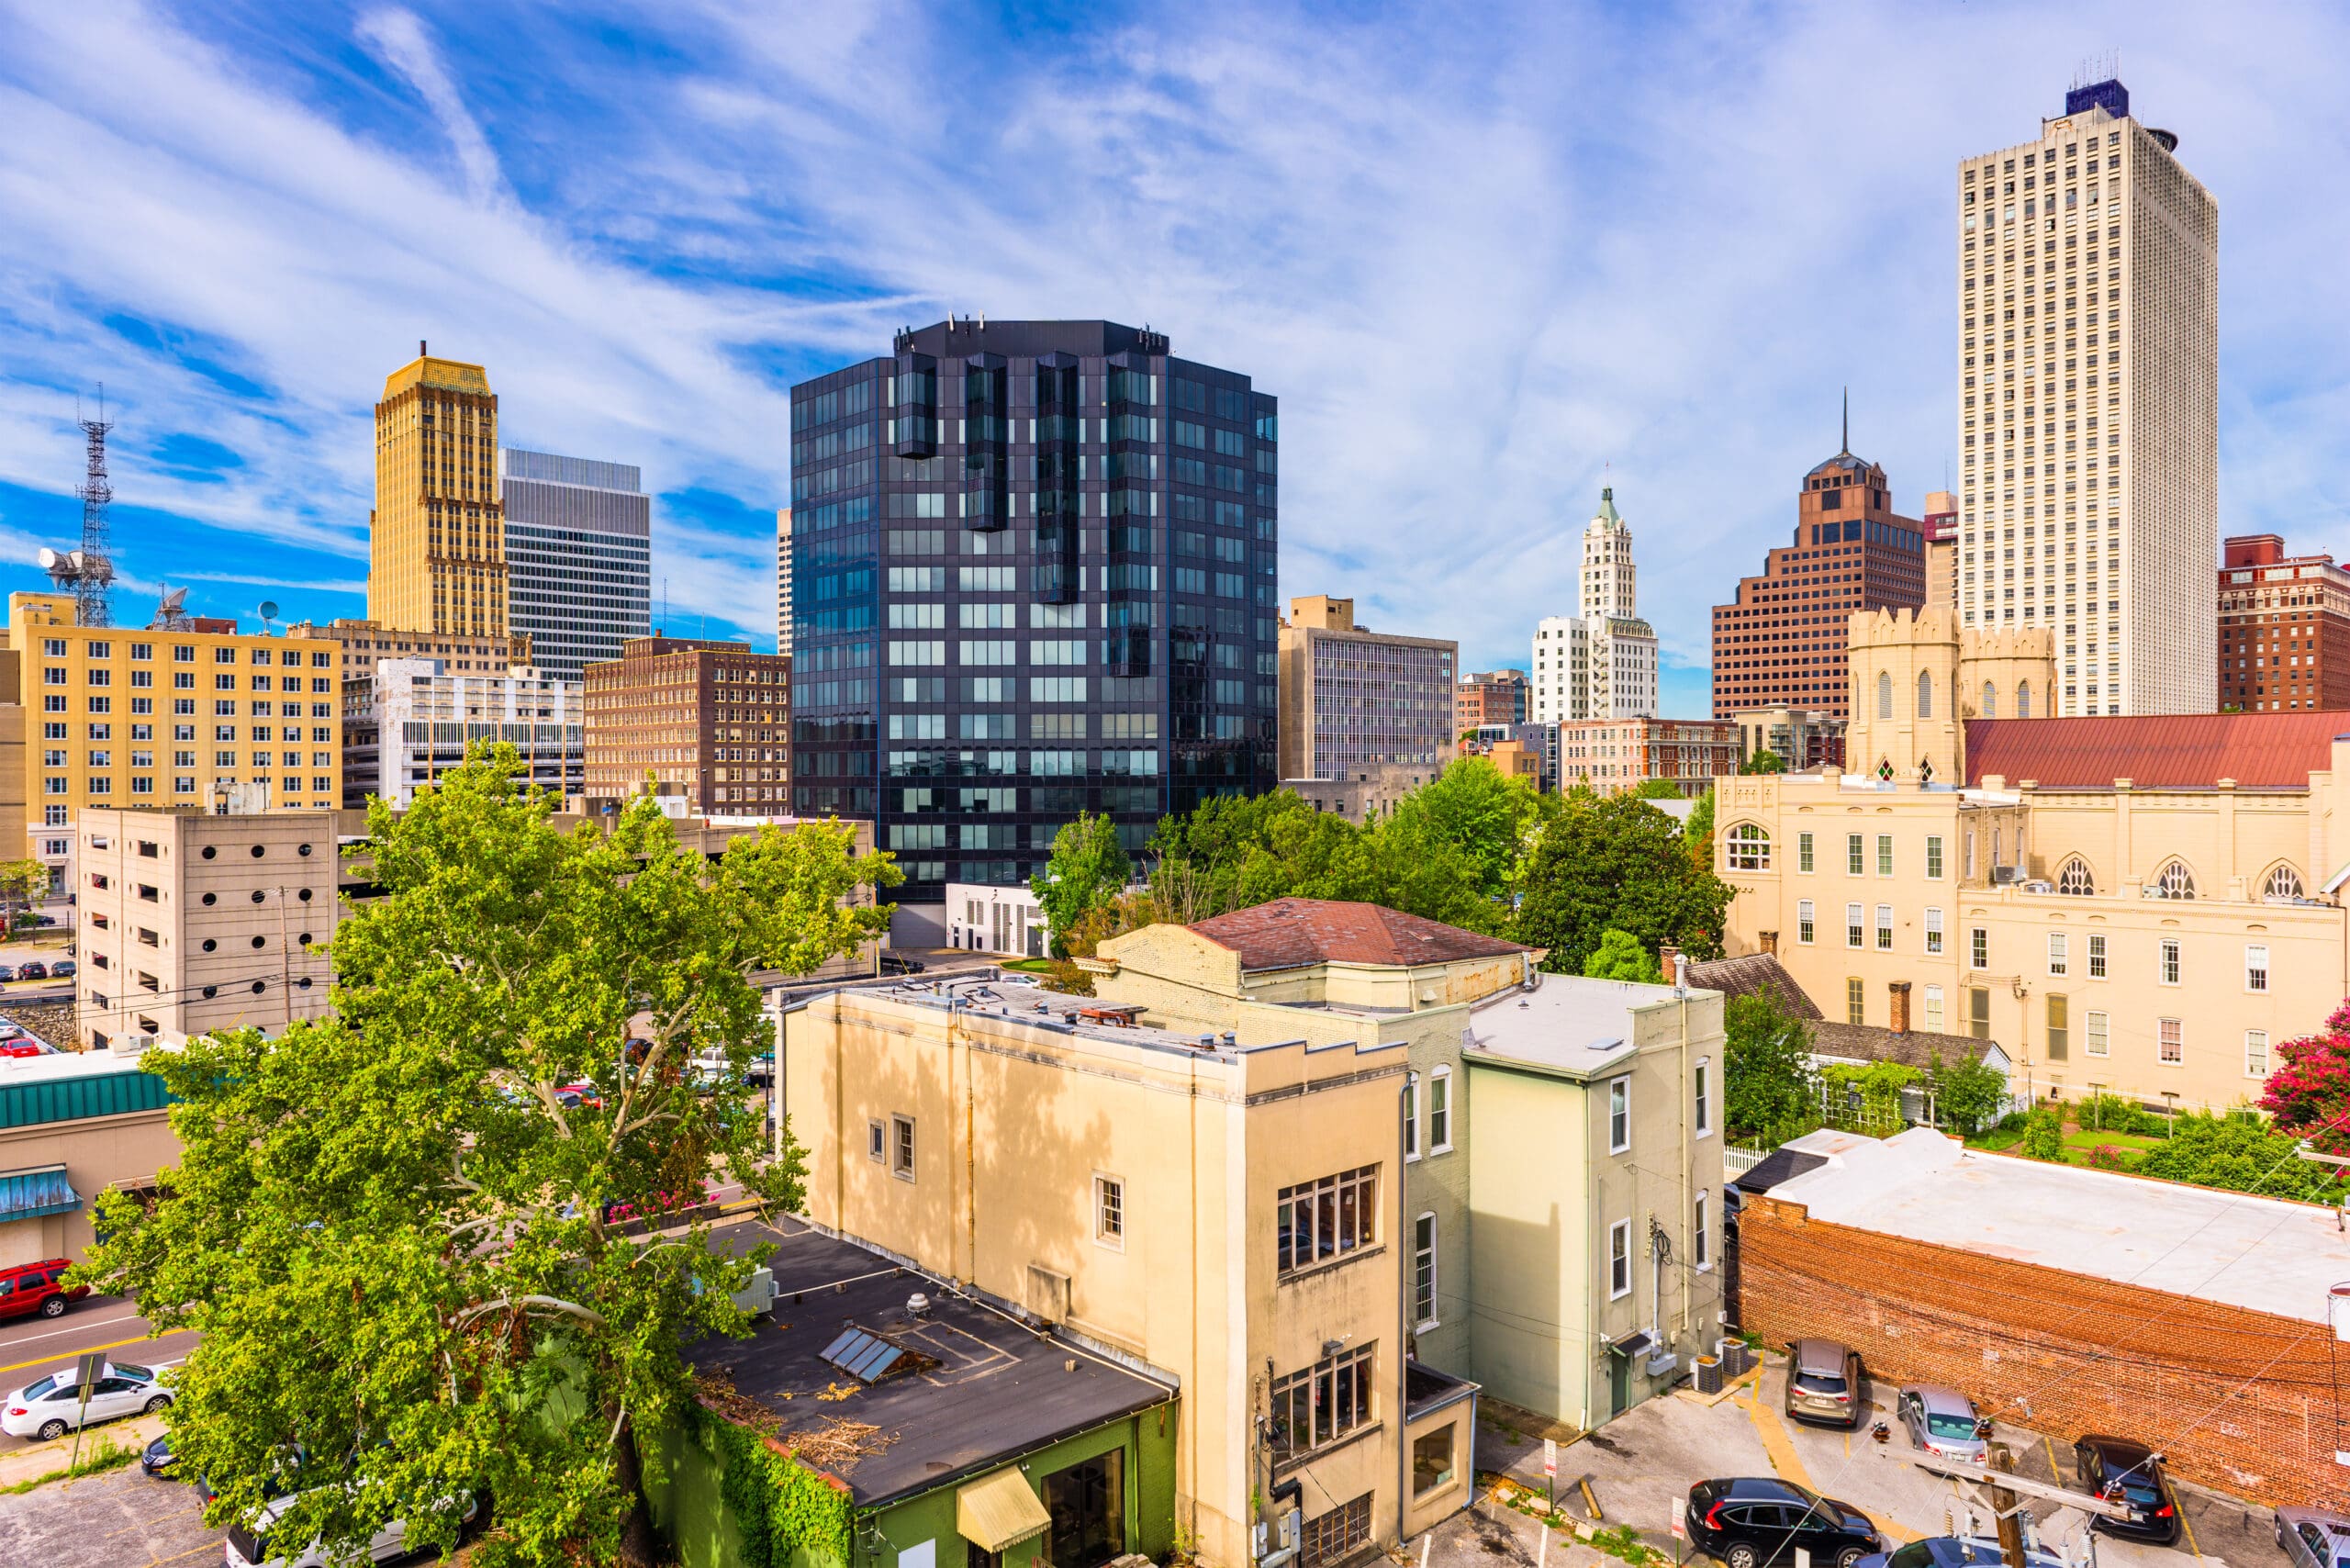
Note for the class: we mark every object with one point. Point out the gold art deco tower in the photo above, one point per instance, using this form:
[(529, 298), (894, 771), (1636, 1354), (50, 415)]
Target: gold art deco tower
[(436, 540)]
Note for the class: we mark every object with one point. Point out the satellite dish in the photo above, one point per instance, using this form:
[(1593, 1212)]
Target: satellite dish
[(269, 610), (48, 558)]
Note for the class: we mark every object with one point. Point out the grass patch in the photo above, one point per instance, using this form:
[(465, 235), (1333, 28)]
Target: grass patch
[(107, 1455), (1996, 1138), (2084, 1141), (1028, 966)]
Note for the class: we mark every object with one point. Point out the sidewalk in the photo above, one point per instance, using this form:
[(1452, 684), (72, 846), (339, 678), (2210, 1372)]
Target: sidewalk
[(44, 1459)]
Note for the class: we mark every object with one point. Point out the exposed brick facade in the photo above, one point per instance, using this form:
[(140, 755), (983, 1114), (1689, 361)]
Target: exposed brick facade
[(2237, 1400)]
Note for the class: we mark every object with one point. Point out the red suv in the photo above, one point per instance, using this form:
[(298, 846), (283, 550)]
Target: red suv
[(32, 1288)]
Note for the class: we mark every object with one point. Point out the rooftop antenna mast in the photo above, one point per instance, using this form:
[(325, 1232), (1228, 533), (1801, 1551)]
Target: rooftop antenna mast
[(88, 573)]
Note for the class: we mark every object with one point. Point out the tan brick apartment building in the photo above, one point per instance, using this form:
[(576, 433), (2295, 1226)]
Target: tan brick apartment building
[(1492, 697), (1614, 756), (706, 719), (2284, 629)]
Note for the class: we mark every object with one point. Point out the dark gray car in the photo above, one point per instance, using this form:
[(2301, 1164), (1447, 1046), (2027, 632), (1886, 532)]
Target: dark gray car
[(1940, 1419), (1824, 1382), (2313, 1538)]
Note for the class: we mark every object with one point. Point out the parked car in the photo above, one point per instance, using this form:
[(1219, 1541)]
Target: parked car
[(65, 968), (158, 1457), (572, 1097), (25, 1046), (1955, 1551), (1824, 1382), (30, 1288), (32, 969), (53, 1406), (2312, 1538), (665, 1205), (897, 964), (248, 1544), (1759, 1521), (1943, 1421), (2131, 1474), (7, 972)]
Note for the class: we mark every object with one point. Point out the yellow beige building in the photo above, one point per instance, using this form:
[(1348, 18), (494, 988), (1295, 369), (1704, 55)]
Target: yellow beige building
[(117, 717), (1222, 1213), (2143, 905), (436, 540)]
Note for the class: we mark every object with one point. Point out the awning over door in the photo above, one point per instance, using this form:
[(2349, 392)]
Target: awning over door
[(43, 1190), (1000, 1510)]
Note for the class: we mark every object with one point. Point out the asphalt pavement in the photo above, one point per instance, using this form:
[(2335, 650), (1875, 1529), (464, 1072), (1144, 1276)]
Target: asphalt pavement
[(32, 1348)]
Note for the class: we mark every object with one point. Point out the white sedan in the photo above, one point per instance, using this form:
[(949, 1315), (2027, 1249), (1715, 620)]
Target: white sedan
[(54, 1406)]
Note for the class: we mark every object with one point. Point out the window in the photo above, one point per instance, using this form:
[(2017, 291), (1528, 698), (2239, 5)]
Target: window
[(1431, 1462), (2023, 700), (1806, 925), (1803, 852), (1978, 1013), (1925, 695), (1884, 695), (2256, 967), (902, 1148), (1978, 948), (1110, 1210), (1970, 852), (1335, 1536), (1749, 848), (1933, 1007), (2074, 879), (1990, 700), (2172, 1041), (2057, 944), (1933, 931), (1423, 1272), (1620, 1260), (2175, 881), (1700, 1244), (1619, 1115), (1884, 928), (2283, 886), (1323, 1403), (1854, 854), (1885, 855), (877, 1142), (1857, 999), (1411, 1116), (2060, 1032), (2097, 957), (2167, 962), (1702, 1112), (1933, 856), (1441, 1111), (2255, 1053), (2098, 1027), (1852, 936), (1318, 1220)]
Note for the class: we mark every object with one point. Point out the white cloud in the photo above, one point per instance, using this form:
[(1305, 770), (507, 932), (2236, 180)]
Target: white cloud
[(398, 37)]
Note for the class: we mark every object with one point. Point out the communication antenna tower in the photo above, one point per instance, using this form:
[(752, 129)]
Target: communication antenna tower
[(88, 573)]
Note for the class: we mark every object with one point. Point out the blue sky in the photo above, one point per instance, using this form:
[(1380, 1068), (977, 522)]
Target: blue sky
[(1489, 258)]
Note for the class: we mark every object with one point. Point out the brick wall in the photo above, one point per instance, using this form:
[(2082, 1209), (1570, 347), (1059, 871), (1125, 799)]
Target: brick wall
[(2238, 1400)]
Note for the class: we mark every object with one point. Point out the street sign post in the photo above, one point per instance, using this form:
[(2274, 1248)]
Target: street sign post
[(91, 1367), (1680, 1527), (1551, 1469)]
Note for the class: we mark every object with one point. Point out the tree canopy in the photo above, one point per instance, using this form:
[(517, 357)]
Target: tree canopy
[(1089, 867), (2309, 1090), (1769, 1090), (1621, 956), (1617, 863), (390, 1225), (1763, 761)]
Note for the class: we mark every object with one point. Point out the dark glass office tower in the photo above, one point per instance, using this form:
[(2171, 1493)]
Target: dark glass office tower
[(1033, 573)]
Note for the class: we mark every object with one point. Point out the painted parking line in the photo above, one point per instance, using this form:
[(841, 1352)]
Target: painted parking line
[(116, 1345), (1780, 1445)]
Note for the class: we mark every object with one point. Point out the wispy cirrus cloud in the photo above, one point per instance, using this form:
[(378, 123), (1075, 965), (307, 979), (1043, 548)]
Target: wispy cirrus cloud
[(1489, 260)]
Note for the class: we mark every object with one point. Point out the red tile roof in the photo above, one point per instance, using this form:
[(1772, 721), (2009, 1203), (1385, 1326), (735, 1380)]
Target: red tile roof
[(2162, 750), (1287, 933)]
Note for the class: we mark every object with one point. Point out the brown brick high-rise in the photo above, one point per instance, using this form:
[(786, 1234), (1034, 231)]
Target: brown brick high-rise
[(2284, 628), (709, 721)]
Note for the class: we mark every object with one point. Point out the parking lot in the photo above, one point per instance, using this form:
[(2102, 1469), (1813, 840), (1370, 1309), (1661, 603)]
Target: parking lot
[(1645, 1461), (120, 1519)]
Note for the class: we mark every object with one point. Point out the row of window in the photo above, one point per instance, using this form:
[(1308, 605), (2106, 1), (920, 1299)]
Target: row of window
[(183, 653), (2168, 967)]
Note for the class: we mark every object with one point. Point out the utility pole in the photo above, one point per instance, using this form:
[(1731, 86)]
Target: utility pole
[(2004, 1503)]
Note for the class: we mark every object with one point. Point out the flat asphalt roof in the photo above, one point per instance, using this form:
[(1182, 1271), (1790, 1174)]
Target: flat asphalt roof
[(2262, 1253), (990, 1388)]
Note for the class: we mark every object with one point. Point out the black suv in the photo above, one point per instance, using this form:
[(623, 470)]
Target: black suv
[(2132, 1474), (1755, 1522)]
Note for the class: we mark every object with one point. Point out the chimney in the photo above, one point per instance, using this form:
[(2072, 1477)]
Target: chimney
[(1667, 959), (420, 348), (1900, 990), (1770, 941)]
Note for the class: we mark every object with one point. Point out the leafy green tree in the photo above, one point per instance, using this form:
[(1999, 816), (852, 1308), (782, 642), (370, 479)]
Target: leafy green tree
[(390, 1225), (1487, 820), (2043, 1133), (1969, 1093), (1621, 956), (1697, 833), (1763, 761), (1231, 852), (1088, 868), (1617, 863), (1769, 1088), (1656, 789), (2243, 1153), (21, 883)]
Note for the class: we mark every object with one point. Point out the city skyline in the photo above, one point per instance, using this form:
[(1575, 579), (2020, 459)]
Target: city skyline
[(1674, 283)]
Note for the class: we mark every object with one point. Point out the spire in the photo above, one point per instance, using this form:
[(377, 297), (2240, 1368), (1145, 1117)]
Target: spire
[(1846, 449), (1607, 514)]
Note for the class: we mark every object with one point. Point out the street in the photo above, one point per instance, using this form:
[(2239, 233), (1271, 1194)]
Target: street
[(32, 1348)]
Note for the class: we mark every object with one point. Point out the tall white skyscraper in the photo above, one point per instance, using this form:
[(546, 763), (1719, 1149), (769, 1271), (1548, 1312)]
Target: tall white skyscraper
[(2089, 406), (578, 558), (1602, 663), (783, 581)]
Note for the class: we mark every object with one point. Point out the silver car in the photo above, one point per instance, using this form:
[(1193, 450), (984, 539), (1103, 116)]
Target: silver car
[(2313, 1538), (1943, 1421), (1824, 1382)]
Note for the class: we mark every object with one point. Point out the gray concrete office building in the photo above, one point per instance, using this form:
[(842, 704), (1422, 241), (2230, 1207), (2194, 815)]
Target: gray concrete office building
[(1032, 574), (578, 558)]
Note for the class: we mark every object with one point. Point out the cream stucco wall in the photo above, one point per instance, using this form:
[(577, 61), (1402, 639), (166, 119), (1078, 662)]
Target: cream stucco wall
[(97, 1152), (1014, 1120)]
